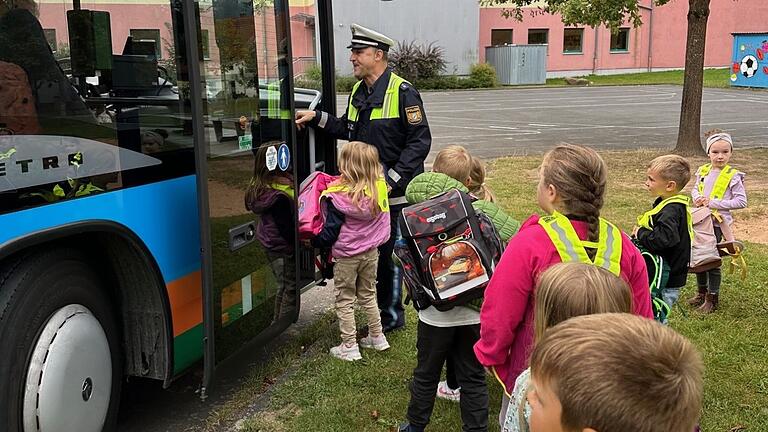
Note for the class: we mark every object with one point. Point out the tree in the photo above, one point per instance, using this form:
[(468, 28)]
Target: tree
[(613, 13)]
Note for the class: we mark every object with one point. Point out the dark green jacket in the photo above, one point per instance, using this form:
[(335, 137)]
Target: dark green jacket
[(427, 185)]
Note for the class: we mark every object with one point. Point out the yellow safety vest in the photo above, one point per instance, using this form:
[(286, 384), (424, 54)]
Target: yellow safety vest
[(273, 102), (284, 188), (572, 248), (381, 193), (646, 222), (721, 183), (389, 109)]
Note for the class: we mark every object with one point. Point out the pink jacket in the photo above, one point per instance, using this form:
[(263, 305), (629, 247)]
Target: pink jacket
[(506, 318), (361, 230)]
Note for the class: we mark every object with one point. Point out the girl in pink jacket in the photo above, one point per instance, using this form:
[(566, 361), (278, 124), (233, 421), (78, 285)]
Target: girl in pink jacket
[(356, 224), (571, 190)]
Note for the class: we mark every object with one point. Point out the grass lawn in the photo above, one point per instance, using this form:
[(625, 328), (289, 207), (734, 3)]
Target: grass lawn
[(712, 78), (324, 394)]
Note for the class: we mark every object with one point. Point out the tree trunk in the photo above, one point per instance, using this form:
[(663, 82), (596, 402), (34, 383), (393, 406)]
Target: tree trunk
[(688, 136)]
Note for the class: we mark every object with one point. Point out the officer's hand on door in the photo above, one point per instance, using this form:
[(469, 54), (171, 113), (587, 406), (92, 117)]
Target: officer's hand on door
[(303, 117)]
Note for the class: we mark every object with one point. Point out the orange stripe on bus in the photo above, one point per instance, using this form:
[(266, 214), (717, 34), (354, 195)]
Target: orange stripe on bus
[(186, 297)]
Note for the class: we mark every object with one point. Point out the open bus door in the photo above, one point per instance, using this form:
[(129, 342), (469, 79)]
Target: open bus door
[(250, 162)]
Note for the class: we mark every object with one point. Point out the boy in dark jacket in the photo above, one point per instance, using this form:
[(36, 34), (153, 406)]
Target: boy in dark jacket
[(666, 230)]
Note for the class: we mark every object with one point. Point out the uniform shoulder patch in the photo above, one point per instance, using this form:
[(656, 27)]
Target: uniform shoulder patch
[(414, 114), (404, 86)]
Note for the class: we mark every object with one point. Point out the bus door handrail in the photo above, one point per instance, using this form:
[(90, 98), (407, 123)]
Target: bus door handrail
[(313, 164)]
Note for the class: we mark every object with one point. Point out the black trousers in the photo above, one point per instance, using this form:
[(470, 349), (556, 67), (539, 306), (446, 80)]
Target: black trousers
[(389, 278), (435, 345)]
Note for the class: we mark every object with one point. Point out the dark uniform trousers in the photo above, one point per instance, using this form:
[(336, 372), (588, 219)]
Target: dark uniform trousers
[(403, 142)]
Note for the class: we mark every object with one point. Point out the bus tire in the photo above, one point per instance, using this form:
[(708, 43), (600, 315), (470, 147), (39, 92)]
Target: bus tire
[(50, 302)]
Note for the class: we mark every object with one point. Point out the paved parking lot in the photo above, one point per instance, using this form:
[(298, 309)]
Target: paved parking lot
[(493, 123)]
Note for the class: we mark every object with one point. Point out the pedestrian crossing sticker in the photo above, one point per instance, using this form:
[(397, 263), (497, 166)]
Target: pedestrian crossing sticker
[(283, 157)]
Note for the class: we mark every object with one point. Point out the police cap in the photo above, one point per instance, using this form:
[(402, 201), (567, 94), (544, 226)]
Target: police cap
[(363, 38)]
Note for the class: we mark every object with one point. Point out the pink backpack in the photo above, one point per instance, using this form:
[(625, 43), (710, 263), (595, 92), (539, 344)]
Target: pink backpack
[(311, 217)]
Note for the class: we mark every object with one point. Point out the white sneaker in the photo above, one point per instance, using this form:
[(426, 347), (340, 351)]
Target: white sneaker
[(445, 392), (379, 343), (346, 352)]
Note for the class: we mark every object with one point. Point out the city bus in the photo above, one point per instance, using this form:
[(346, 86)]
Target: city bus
[(131, 133)]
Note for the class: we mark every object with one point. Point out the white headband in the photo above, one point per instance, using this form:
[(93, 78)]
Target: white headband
[(722, 136)]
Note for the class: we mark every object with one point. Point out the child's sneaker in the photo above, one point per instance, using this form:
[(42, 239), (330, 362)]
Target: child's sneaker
[(346, 352), (445, 392), (379, 343)]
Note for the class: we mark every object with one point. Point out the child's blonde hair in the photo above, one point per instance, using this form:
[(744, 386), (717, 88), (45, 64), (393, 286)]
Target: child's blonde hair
[(477, 186), (620, 372), (455, 162), (360, 168), (571, 289), (672, 168), (579, 175)]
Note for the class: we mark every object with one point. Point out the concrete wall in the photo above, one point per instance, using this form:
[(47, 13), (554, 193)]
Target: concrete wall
[(451, 24), (659, 45)]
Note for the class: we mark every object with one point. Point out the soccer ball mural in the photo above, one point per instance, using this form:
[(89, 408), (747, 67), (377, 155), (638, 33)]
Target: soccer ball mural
[(749, 66)]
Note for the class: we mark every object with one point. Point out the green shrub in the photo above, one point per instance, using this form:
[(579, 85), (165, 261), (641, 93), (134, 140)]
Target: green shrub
[(414, 62), (344, 84), (483, 75), (313, 73)]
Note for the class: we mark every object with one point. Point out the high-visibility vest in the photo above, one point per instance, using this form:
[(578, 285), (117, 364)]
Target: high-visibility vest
[(721, 183), (389, 109), (284, 188), (646, 222), (381, 193), (572, 248), (273, 102)]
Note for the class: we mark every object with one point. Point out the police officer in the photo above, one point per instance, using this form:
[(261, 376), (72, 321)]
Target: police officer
[(386, 111)]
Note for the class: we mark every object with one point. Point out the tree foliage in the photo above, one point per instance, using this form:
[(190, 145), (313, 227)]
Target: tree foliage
[(611, 13)]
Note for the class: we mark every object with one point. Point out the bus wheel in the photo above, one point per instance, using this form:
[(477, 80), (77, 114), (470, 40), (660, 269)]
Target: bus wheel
[(61, 367)]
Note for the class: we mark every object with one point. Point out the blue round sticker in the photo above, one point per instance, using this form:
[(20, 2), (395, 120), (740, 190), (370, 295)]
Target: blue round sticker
[(283, 157)]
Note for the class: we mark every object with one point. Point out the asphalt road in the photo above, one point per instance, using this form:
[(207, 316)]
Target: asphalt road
[(494, 123)]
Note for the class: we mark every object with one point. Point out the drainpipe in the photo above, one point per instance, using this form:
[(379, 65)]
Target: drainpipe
[(650, 34), (594, 56)]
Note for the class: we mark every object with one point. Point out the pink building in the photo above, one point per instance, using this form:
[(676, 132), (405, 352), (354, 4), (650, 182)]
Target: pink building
[(659, 44)]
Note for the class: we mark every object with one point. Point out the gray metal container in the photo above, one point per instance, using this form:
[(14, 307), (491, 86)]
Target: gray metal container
[(518, 64)]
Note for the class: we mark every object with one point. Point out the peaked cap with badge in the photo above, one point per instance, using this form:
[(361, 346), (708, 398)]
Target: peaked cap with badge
[(364, 37)]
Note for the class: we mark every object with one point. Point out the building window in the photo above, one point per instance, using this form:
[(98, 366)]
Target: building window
[(501, 37), (50, 36), (538, 36), (148, 34), (205, 45), (572, 40), (620, 40)]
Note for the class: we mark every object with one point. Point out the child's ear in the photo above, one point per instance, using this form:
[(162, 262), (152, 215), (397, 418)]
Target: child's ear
[(671, 186), (468, 181)]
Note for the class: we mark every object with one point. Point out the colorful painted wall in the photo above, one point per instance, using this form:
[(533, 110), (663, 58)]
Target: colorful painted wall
[(659, 44)]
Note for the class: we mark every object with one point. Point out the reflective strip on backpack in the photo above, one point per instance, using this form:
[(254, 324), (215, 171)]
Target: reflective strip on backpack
[(571, 248)]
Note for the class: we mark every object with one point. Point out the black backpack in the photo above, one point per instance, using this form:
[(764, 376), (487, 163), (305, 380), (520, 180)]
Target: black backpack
[(449, 251)]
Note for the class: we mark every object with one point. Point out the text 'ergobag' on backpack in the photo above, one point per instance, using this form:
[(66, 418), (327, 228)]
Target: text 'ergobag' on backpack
[(449, 252)]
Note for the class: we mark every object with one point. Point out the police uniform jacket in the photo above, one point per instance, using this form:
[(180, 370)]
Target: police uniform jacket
[(403, 142)]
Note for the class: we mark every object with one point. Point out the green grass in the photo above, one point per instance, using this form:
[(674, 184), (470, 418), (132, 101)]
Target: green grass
[(323, 394), (719, 78)]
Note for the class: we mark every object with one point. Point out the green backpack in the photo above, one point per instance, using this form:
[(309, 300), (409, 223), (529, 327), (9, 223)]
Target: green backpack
[(658, 275)]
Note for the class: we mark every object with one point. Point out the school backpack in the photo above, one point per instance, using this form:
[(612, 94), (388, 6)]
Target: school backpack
[(18, 115), (704, 253), (449, 251), (311, 216), (658, 275)]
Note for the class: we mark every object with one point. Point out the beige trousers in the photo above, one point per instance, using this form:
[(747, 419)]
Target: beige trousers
[(355, 278)]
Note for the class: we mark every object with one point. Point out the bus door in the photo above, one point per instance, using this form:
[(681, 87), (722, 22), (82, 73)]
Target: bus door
[(247, 156)]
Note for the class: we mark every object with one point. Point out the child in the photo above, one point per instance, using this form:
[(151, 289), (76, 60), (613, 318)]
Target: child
[(571, 189), (564, 291), (477, 186), (356, 224), (271, 196), (666, 230), (614, 373), (448, 336), (721, 188)]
